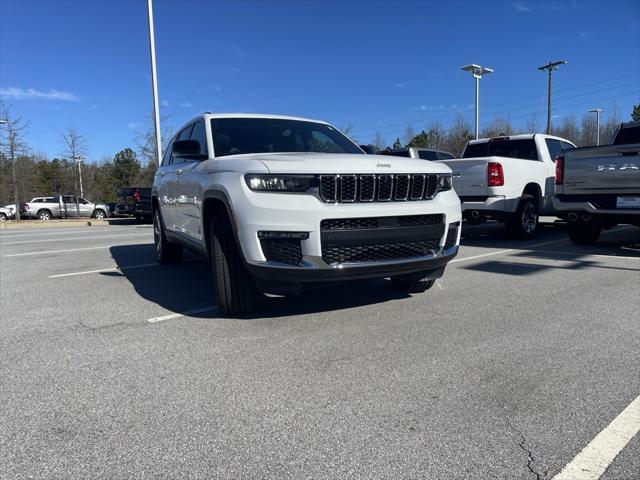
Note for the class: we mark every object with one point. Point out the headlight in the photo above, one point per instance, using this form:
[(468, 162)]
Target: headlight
[(444, 182), (280, 183)]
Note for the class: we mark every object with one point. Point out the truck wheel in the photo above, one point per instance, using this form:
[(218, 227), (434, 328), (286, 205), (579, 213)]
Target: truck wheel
[(234, 289), (584, 233), (525, 221), (44, 215), (3, 217), (166, 252), (411, 284), (99, 215)]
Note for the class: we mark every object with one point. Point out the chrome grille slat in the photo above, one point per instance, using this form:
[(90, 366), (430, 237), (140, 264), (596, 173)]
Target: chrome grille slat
[(401, 187)]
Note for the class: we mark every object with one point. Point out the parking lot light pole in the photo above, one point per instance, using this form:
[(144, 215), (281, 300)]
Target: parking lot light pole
[(597, 112), (154, 81), (477, 72), (550, 67)]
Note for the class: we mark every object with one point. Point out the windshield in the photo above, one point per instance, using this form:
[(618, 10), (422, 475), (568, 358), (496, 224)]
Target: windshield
[(235, 136), (503, 147)]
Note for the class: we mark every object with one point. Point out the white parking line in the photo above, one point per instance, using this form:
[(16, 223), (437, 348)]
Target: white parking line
[(116, 269), (509, 250), (2, 244), (112, 269), (171, 316), (594, 459), (587, 254), (67, 250)]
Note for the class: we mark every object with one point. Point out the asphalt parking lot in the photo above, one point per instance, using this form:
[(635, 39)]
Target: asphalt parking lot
[(115, 367)]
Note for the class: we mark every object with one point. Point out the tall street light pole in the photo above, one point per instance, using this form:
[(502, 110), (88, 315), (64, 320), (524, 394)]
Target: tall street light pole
[(550, 67), (477, 72), (597, 112), (154, 81)]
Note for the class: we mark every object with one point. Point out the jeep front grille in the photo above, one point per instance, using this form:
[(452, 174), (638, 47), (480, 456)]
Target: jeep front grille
[(378, 188)]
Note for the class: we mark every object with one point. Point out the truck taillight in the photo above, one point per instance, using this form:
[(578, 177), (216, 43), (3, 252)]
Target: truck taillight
[(559, 169), (495, 175)]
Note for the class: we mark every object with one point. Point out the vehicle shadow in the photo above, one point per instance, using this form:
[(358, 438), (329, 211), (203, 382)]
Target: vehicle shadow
[(548, 252), (188, 287)]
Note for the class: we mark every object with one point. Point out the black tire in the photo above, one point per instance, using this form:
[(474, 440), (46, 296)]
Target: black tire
[(234, 289), (524, 222), (99, 214), (44, 215), (3, 217), (166, 252), (139, 219), (411, 284), (584, 233)]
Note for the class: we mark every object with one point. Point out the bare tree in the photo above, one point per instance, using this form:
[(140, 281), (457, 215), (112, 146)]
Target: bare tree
[(75, 148), (611, 125), (588, 130), (458, 136), (146, 140), (347, 130), (532, 123), (409, 134), (568, 129), (379, 142), (13, 145)]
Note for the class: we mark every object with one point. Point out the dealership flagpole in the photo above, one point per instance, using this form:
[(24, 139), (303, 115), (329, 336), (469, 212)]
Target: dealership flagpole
[(154, 82)]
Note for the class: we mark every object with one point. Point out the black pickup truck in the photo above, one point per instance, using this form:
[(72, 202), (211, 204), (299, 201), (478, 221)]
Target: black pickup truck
[(134, 201)]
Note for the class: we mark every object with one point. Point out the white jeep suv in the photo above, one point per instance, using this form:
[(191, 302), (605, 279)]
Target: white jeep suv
[(278, 203)]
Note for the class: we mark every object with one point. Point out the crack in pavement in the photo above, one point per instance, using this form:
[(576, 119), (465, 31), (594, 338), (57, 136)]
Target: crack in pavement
[(530, 458)]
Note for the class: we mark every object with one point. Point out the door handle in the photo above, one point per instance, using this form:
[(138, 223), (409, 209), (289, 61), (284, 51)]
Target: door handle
[(179, 172)]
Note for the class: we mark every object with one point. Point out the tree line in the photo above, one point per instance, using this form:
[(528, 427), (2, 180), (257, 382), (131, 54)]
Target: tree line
[(582, 132), (24, 174)]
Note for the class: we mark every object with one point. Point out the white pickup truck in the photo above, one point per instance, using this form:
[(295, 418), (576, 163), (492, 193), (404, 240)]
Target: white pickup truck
[(509, 179)]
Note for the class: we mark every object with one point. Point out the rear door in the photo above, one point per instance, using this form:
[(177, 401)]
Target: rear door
[(190, 189)]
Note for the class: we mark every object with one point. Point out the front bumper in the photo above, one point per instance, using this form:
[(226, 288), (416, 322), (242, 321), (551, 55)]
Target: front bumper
[(588, 207), (431, 267)]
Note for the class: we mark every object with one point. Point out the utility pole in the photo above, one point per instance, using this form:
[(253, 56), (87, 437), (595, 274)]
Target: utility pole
[(597, 112), (550, 67), (154, 81), (78, 159), (477, 72)]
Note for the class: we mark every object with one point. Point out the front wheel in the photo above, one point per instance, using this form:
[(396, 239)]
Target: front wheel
[(166, 253), (99, 215), (234, 289), (44, 215), (524, 223), (584, 233)]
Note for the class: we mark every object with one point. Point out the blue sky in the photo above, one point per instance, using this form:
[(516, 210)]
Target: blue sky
[(379, 66)]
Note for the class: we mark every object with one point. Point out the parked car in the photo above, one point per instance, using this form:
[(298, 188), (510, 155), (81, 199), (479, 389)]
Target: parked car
[(6, 214), (134, 201), (279, 203), (64, 206), (509, 179), (599, 187), (418, 152)]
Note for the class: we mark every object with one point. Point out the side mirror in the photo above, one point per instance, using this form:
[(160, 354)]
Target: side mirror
[(368, 149), (187, 149)]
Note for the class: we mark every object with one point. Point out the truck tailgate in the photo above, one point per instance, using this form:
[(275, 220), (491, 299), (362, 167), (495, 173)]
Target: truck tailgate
[(469, 176), (601, 170)]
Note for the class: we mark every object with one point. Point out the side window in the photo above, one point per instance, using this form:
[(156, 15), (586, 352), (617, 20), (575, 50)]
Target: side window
[(183, 135), (553, 146), (445, 156), (198, 133), (566, 146), (68, 199), (166, 158), (427, 155)]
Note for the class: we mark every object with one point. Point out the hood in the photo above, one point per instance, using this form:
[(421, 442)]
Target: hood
[(333, 163)]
